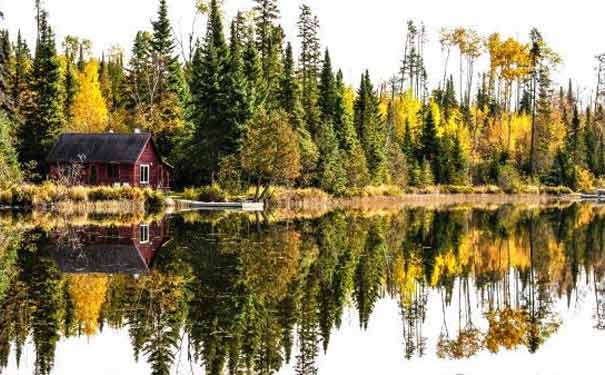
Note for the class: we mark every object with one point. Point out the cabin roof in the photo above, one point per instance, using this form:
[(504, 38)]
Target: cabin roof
[(106, 148), (108, 259)]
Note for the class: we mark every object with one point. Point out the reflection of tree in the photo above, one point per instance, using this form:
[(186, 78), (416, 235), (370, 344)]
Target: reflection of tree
[(245, 294), (369, 273)]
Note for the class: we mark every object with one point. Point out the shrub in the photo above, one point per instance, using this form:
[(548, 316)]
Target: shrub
[(212, 193), (584, 180), (154, 200), (508, 179), (77, 194), (190, 194)]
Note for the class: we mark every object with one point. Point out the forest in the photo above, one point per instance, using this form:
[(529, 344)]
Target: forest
[(235, 106)]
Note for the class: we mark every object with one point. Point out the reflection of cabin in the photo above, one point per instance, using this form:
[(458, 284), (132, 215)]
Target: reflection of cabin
[(125, 249), (111, 159)]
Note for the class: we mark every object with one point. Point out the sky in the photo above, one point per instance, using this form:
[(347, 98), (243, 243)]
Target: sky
[(361, 34)]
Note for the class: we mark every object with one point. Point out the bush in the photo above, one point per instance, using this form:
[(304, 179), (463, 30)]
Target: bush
[(212, 193), (508, 179), (77, 194), (154, 200), (556, 190), (584, 180)]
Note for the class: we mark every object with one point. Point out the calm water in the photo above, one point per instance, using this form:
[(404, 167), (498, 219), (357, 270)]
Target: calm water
[(457, 290)]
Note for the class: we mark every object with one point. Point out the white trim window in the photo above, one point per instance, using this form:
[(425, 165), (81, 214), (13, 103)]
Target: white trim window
[(144, 171), (144, 233)]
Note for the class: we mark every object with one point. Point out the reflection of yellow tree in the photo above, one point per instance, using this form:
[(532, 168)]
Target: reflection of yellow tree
[(507, 329), (87, 292)]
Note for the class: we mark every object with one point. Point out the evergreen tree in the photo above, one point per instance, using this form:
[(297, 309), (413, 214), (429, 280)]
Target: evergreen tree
[(270, 37), (10, 172), (20, 88), (332, 177), (370, 129), (309, 62), (327, 90), (209, 90), (289, 95), (71, 88), (253, 70), (238, 107), (6, 103), (44, 120), (573, 138), (429, 143)]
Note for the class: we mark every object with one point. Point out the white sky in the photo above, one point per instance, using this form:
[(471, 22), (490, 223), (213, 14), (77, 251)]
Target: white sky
[(360, 33)]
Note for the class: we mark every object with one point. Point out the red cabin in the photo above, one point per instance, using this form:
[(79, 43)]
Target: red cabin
[(111, 159)]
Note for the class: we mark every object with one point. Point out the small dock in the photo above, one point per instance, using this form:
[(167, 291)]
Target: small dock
[(220, 206), (598, 195)]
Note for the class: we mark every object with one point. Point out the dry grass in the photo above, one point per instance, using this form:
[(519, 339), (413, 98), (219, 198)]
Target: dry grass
[(48, 196)]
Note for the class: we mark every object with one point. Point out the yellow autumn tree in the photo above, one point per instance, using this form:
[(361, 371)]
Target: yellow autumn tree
[(89, 111), (88, 293)]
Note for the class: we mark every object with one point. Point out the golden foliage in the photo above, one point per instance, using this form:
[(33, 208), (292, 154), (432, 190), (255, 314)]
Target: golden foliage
[(88, 293), (89, 111)]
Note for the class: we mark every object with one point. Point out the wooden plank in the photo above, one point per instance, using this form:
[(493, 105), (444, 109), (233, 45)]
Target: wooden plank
[(245, 206)]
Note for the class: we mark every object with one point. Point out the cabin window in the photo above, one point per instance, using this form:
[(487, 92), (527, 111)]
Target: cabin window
[(144, 174), (144, 233), (113, 171)]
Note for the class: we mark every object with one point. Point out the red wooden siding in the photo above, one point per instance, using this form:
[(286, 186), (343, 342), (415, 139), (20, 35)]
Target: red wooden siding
[(159, 173)]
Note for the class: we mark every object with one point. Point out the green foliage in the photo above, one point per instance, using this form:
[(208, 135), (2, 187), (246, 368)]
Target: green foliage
[(44, 118), (10, 172)]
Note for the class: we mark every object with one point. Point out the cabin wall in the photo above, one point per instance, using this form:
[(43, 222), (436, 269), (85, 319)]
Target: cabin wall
[(159, 175)]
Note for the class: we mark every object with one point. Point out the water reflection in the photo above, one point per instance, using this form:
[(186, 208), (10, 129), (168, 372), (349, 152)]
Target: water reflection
[(241, 294)]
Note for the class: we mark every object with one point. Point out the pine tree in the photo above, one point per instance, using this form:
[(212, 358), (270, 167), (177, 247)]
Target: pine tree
[(289, 93), (20, 90), (270, 38), (327, 90), (238, 107), (331, 175), (171, 95), (370, 129), (71, 87), (44, 119), (573, 138), (209, 98), (6, 103), (253, 70), (429, 143), (309, 61)]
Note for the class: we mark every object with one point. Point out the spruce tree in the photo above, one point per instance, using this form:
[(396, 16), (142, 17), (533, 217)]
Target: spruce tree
[(253, 70), (289, 96), (209, 92), (44, 120), (19, 81), (71, 88), (332, 176), (327, 90), (370, 128), (309, 61), (238, 107), (429, 143), (6, 103)]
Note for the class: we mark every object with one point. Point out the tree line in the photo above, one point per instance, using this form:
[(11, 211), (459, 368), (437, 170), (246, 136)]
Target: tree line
[(237, 107)]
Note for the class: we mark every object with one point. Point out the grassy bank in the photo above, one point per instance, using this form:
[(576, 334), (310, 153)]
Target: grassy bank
[(75, 199), (382, 196)]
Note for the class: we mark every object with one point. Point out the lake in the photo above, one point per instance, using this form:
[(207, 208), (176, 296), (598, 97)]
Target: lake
[(457, 289)]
